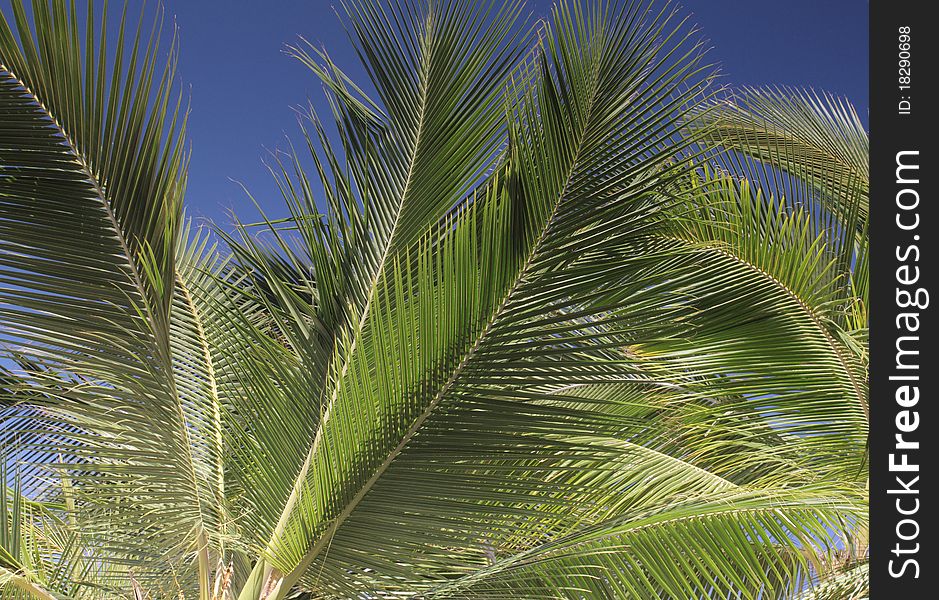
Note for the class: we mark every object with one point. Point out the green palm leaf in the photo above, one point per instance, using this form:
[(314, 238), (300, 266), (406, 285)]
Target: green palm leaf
[(544, 319), (91, 182)]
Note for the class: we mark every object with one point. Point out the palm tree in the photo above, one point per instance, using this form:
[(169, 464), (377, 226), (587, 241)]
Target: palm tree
[(551, 316)]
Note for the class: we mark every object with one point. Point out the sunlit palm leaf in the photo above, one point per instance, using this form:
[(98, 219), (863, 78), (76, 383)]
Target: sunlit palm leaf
[(515, 337), (91, 175)]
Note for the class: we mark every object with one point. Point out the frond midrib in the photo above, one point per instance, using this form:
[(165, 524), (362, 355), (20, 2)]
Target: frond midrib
[(337, 522), (360, 324), (84, 166), (210, 375), (726, 251)]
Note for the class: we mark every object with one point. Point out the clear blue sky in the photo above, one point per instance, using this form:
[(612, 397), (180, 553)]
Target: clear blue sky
[(243, 86)]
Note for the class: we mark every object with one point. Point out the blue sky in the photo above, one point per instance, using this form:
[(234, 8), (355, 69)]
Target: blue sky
[(243, 86)]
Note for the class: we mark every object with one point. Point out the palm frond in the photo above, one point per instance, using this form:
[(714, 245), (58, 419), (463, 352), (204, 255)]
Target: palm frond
[(92, 169), (685, 550), (515, 337), (355, 444)]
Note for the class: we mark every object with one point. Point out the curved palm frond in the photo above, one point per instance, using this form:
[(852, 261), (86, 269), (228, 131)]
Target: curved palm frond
[(817, 138), (354, 446), (812, 150), (92, 169), (612, 559)]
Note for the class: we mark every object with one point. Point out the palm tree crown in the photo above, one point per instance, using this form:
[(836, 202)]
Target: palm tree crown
[(551, 316)]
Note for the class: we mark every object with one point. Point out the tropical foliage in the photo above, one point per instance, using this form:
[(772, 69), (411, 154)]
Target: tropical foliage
[(551, 315)]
